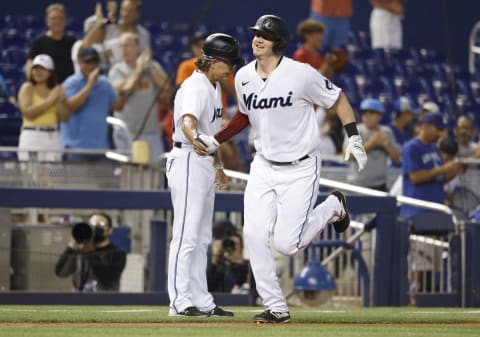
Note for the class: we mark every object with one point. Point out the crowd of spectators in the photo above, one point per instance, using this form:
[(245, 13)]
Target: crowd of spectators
[(73, 85)]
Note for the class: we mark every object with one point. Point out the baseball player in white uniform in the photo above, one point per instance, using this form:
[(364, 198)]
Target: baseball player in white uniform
[(276, 96), (192, 178)]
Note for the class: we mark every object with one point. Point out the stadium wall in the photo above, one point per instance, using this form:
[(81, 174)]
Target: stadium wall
[(424, 24)]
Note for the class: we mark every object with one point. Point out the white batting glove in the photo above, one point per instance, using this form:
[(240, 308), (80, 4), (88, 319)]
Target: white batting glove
[(356, 149), (209, 141)]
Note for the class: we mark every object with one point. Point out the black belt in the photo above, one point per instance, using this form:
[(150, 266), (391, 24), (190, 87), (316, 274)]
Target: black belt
[(40, 128), (180, 145), (295, 162)]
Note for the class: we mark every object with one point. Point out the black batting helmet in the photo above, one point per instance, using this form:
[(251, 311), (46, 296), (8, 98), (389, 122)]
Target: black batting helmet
[(223, 47), (276, 26)]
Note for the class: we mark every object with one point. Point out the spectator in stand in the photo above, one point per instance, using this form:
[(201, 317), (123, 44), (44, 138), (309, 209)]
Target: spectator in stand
[(464, 132), (311, 31), (89, 98), (404, 119), (41, 102), (448, 148), (54, 42), (335, 16), (187, 67), (379, 144), (142, 80), (424, 171), (94, 28), (428, 106), (130, 11), (386, 24)]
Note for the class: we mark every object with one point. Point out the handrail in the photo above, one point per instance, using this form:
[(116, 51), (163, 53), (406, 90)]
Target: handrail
[(364, 191), (67, 150), (474, 49)]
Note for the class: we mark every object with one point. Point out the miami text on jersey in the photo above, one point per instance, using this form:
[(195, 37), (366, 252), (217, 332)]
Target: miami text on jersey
[(268, 102)]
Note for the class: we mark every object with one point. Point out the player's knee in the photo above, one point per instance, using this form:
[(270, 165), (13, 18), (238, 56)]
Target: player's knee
[(284, 245)]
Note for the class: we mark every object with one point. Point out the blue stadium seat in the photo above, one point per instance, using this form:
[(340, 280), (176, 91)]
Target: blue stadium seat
[(8, 110), (30, 22), (12, 37), (8, 21), (32, 33), (153, 28), (12, 72), (14, 55), (9, 130), (475, 90), (364, 39), (74, 24)]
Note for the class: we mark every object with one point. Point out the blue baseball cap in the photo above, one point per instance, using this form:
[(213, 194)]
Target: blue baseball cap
[(371, 104), (435, 119)]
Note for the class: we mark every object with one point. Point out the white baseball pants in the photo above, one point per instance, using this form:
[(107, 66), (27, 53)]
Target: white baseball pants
[(279, 208), (191, 179)]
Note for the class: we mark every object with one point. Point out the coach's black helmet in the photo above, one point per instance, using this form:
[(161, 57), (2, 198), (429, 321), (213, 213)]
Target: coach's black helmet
[(276, 26), (223, 47)]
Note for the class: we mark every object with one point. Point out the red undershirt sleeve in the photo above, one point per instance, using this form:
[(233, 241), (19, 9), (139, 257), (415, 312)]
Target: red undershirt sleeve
[(238, 122)]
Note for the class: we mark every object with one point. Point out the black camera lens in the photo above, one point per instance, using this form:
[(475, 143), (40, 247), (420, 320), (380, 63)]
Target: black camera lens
[(228, 245), (82, 232)]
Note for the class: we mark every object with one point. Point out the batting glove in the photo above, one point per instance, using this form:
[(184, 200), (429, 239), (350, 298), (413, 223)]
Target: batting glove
[(356, 149), (209, 141)]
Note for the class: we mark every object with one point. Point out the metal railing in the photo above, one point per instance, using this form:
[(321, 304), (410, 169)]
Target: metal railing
[(474, 48), (436, 244)]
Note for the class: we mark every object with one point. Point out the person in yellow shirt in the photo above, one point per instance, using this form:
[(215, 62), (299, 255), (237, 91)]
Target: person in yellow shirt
[(41, 102)]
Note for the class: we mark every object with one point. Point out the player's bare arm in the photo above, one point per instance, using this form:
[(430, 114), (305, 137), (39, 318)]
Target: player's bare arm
[(189, 129), (221, 179)]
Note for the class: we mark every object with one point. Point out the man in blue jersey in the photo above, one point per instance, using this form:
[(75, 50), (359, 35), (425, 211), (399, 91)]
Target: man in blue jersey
[(424, 172)]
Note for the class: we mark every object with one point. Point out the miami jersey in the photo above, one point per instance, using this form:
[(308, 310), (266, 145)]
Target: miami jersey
[(198, 97), (281, 108)]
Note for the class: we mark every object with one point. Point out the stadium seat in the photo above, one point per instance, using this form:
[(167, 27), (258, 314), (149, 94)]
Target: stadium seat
[(8, 21), (8, 110), (364, 39), (9, 130), (14, 55), (32, 33), (74, 24), (475, 89), (12, 38), (30, 22)]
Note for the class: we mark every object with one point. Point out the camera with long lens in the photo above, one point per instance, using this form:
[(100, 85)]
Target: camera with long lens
[(83, 232), (228, 244)]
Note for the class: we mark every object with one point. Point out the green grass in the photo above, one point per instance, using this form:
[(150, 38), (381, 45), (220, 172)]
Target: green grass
[(81, 321)]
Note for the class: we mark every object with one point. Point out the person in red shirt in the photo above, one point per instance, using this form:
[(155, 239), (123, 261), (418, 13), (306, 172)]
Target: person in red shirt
[(311, 33)]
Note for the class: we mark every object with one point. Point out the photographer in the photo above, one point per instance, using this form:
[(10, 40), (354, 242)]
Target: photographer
[(95, 263), (228, 271)]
